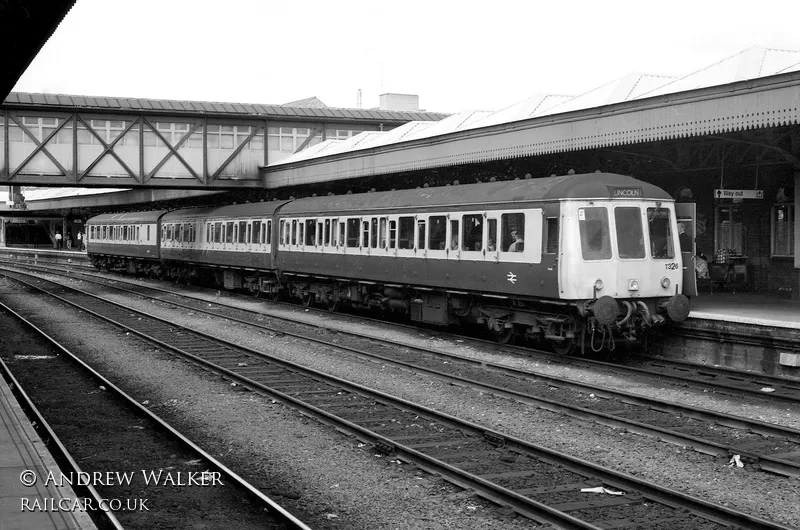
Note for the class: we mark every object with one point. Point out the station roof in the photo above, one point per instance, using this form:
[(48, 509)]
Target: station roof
[(752, 63), (170, 106)]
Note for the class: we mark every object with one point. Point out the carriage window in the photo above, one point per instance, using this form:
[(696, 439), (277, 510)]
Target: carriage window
[(630, 238), (421, 234), (392, 234), (311, 232), (513, 232), (341, 234), (472, 238), (257, 232), (319, 233), (327, 240), (373, 241), (437, 232), (352, 232), (229, 232), (406, 237), (595, 239), (382, 233), (294, 232), (365, 234), (453, 235), (242, 235), (249, 237), (267, 234), (551, 246), (217, 232), (659, 225), (208, 233)]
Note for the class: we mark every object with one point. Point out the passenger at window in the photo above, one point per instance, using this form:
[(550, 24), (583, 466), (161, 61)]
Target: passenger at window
[(490, 246), (518, 245)]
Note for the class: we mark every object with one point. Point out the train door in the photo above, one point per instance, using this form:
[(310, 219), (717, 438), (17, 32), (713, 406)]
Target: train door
[(686, 213)]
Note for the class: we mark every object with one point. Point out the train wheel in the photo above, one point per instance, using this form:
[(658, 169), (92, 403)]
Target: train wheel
[(309, 299), (566, 347), (332, 305), (504, 336)]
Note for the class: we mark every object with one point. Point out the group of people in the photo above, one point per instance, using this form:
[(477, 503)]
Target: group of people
[(67, 240)]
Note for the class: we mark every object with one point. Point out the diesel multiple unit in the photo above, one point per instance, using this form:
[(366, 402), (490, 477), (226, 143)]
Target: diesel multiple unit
[(576, 260)]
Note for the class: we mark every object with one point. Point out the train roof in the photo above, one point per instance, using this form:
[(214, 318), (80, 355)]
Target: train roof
[(254, 209), (129, 217), (583, 186)]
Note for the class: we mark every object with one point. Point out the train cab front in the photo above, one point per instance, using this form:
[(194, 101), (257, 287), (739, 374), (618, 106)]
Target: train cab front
[(627, 272)]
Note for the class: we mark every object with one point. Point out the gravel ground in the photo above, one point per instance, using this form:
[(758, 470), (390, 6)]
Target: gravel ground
[(325, 479)]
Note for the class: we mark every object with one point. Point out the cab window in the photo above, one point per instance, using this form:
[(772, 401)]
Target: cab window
[(659, 226), (630, 238), (595, 239)]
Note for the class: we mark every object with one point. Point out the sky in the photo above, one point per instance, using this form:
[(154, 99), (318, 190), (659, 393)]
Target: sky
[(454, 54)]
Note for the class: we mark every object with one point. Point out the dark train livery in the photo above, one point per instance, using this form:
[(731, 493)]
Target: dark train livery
[(576, 260)]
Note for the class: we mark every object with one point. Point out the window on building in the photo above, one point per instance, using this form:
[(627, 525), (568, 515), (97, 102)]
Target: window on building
[(287, 139), (783, 227), (729, 229)]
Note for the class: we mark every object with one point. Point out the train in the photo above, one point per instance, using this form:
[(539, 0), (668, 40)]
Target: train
[(579, 261)]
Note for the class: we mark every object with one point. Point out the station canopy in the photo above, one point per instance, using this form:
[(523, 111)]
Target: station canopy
[(752, 63)]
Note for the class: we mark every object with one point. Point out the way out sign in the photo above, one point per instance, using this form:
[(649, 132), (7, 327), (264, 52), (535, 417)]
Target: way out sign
[(738, 194)]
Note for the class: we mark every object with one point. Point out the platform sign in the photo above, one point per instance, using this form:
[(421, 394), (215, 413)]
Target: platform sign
[(738, 194)]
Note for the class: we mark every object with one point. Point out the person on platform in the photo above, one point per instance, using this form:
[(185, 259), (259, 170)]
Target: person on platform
[(59, 240), (684, 239), (80, 240)]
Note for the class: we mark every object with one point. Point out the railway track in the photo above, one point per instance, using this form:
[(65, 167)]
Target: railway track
[(765, 446), (152, 447), (534, 481), (706, 378)]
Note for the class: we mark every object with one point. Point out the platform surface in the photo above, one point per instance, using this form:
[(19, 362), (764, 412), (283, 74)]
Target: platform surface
[(747, 308), (21, 450)]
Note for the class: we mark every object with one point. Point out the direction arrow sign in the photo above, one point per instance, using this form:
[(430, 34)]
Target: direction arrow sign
[(738, 194)]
